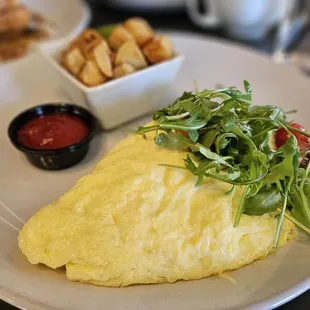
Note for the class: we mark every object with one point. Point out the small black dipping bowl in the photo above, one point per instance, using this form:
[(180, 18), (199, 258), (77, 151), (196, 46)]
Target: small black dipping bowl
[(54, 159)]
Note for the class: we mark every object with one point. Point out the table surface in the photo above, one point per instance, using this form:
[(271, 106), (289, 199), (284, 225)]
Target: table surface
[(179, 21)]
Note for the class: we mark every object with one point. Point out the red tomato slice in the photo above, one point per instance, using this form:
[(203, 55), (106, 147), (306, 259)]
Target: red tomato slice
[(302, 140), (184, 133)]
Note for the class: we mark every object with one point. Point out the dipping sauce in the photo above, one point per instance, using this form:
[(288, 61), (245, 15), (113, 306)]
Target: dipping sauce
[(52, 131)]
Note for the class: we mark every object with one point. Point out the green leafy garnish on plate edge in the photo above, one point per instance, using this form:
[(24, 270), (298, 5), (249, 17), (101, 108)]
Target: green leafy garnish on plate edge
[(230, 140)]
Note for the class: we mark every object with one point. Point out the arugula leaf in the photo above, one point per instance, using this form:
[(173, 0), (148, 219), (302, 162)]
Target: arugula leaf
[(246, 129), (247, 140), (199, 171), (266, 141), (143, 130), (213, 156), (281, 216), (172, 140), (223, 140), (208, 138), (224, 107), (300, 197), (241, 206), (203, 110), (190, 165), (287, 167), (281, 170), (233, 173), (290, 146), (266, 200), (192, 123), (269, 111), (228, 120), (193, 135), (247, 86)]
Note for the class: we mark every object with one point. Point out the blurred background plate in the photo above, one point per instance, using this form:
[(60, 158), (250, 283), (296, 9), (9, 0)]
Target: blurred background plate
[(262, 285), (69, 16)]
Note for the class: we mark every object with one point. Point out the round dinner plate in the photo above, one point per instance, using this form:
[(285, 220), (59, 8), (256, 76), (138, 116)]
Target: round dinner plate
[(68, 17), (263, 284)]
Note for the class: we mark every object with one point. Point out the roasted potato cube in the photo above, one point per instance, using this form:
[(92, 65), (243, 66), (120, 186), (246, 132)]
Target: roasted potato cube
[(159, 50), (91, 75), (88, 40), (106, 46), (140, 29), (123, 69), (119, 36), (89, 51), (73, 60), (131, 54), (103, 60)]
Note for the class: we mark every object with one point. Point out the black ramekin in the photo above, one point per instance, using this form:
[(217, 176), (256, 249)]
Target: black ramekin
[(54, 159)]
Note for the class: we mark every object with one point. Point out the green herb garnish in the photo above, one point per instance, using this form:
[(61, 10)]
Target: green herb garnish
[(230, 140), (106, 30)]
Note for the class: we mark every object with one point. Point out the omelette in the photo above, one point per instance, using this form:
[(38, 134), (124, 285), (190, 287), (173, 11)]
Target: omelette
[(133, 221)]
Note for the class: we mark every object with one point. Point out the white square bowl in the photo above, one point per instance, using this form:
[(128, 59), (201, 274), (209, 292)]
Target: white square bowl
[(119, 100)]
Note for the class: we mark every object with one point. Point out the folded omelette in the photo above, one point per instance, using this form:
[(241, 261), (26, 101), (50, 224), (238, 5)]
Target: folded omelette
[(133, 221)]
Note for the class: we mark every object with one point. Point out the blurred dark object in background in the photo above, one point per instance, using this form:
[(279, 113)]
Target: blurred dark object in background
[(174, 17), (146, 5)]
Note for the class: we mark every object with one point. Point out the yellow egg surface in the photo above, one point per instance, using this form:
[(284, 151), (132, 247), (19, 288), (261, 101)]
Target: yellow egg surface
[(133, 221)]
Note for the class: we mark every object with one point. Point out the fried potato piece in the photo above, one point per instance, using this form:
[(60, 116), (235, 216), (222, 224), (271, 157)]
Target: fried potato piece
[(73, 60), (159, 50), (88, 58), (119, 36), (87, 37), (131, 54), (140, 29), (91, 74), (123, 69), (87, 40), (14, 19), (103, 60), (88, 50)]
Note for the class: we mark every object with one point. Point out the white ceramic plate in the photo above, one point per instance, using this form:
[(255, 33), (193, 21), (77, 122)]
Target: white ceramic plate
[(69, 16), (261, 285)]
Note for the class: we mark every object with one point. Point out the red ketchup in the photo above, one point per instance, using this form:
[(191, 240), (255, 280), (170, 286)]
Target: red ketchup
[(52, 131)]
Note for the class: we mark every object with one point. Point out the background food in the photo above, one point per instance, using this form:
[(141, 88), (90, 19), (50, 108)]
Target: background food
[(14, 19), (19, 27), (126, 48)]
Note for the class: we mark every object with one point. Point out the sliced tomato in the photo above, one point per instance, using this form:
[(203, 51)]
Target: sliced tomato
[(302, 140), (184, 133), (303, 146)]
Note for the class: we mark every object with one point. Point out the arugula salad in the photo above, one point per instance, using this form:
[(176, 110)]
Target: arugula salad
[(256, 147)]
